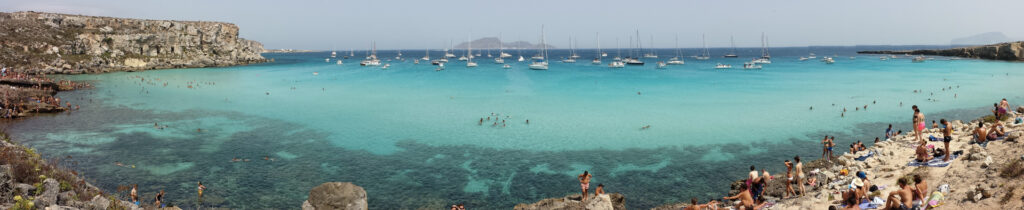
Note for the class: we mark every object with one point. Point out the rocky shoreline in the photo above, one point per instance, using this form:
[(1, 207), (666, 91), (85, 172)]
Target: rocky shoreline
[(51, 43), (1009, 51)]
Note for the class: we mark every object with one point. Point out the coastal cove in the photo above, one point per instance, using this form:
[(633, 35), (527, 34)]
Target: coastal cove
[(410, 136)]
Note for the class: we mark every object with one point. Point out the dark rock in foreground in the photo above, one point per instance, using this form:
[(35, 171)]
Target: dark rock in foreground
[(1009, 51)]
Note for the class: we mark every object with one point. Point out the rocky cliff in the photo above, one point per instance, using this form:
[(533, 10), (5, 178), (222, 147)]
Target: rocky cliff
[(34, 42), (612, 201), (1009, 51)]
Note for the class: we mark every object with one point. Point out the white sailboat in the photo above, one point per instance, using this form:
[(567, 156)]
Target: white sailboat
[(731, 54), (572, 53), (501, 52), (542, 63), (631, 60), (617, 61), (678, 60), (372, 59), (650, 54), (765, 57), (334, 54), (469, 50), (399, 56), (427, 56), (723, 66), (448, 54), (597, 60), (704, 54)]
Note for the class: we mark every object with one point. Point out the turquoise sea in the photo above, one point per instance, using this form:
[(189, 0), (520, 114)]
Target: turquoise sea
[(412, 137)]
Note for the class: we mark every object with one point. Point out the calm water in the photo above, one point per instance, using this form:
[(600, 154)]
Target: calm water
[(411, 135)]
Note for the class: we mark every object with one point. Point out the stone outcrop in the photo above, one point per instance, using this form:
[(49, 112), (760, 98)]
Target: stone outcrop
[(1008, 51), (336, 195), (49, 196), (612, 201), (34, 42), (6, 184)]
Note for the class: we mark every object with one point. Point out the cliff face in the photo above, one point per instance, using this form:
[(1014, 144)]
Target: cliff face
[(35, 42), (1009, 51)]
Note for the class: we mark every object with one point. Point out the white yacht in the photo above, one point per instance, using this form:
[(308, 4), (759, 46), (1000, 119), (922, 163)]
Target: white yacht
[(883, 58), (521, 59), (829, 60), (597, 60), (334, 54), (327, 60), (339, 62), (427, 56), (722, 66), (616, 64), (372, 59), (705, 54), (501, 52), (661, 64), (918, 59), (542, 63), (469, 51), (572, 50), (765, 56), (812, 56), (751, 65), (802, 58), (506, 66)]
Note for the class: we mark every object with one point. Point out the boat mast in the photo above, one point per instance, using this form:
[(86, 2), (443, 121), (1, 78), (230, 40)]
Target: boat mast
[(598, 45)]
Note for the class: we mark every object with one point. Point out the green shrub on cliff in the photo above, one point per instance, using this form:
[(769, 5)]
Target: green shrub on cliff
[(22, 203)]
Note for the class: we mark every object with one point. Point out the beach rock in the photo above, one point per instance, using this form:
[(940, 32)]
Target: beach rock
[(98, 203), (49, 196), (612, 201), (987, 162), (6, 184), (25, 189), (337, 195), (56, 207), (65, 198)]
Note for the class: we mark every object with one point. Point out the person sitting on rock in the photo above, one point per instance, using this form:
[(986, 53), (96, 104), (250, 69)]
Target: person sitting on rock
[(901, 198), (922, 153), (981, 135), (599, 190), (746, 201)]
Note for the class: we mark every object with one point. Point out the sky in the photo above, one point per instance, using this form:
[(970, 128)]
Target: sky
[(417, 24)]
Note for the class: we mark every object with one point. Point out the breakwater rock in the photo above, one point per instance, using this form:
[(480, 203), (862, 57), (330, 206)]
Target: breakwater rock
[(1008, 51), (34, 42), (610, 201)]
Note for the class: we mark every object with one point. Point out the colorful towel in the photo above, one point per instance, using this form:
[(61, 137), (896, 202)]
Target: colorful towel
[(865, 157), (934, 162)]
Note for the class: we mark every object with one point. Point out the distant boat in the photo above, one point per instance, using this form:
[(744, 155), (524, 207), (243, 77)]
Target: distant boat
[(572, 52), (334, 54), (883, 58), (506, 66), (542, 63), (616, 64), (678, 60), (731, 54), (597, 60), (440, 66), (661, 64), (765, 57), (399, 56), (802, 58), (427, 56), (521, 59), (704, 54), (448, 54), (918, 59), (635, 61), (751, 65), (722, 66), (415, 61), (812, 56), (328, 60), (651, 53), (385, 66), (469, 50), (339, 62), (501, 52), (829, 60), (372, 59)]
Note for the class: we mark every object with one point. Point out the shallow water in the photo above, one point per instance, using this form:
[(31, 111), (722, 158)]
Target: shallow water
[(411, 135)]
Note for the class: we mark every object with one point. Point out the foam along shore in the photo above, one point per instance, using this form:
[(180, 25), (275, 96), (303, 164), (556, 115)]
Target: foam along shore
[(980, 178)]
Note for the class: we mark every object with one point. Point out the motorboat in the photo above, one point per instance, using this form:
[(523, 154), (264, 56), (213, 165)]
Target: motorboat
[(722, 66), (751, 65)]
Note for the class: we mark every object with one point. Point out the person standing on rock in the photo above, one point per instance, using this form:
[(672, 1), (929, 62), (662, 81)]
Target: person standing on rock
[(789, 180), (135, 194), (201, 188), (584, 183), (800, 175), (947, 136)]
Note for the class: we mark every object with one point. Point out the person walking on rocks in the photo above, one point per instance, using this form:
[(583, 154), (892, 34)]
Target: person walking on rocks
[(584, 183)]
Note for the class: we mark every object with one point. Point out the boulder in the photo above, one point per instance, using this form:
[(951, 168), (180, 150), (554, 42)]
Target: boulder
[(49, 196), (613, 201), (65, 198), (25, 189), (6, 184), (97, 203), (337, 195)]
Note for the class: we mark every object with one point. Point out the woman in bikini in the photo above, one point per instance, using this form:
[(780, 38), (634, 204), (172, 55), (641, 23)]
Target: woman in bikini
[(918, 123), (789, 180)]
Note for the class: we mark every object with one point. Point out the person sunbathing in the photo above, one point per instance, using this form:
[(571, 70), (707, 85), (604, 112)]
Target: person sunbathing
[(997, 127), (920, 191), (922, 153), (900, 199), (981, 135)]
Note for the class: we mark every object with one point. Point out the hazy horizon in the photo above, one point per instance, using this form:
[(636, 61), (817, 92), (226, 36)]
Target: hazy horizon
[(341, 25)]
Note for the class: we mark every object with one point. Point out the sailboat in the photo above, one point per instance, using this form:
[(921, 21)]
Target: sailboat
[(650, 54), (731, 54), (678, 60), (427, 56), (372, 59), (597, 60), (501, 52), (765, 57), (334, 54), (351, 53), (617, 61), (542, 63), (469, 51), (705, 54), (572, 53), (639, 49), (448, 54), (399, 56)]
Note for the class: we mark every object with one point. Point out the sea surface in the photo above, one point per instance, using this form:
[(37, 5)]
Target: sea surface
[(413, 137)]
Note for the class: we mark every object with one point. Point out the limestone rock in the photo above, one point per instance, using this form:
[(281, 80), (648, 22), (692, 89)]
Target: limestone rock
[(337, 195), (49, 196), (6, 184), (25, 189), (65, 198), (98, 203), (613, 201)]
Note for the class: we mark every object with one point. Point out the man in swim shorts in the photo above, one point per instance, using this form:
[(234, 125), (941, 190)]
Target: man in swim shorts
[(584, 183), (947, 136)]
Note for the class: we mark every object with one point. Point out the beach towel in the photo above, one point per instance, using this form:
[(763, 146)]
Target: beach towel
[(935, 200), (933, 138), (934, 162), (865, 157)]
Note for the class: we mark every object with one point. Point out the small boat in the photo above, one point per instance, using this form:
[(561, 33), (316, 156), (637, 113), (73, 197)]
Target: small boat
[(678, 60), (334, 54), (661, 64), (765, 56), (802, 58), (918, 59), (316, 73), (762, 60), (829, 60), (650, 54), (597, 60), (339, 62), (469, 50), (812, 56), (506, 66), (440, 66), (542, 63), (415, 61), (426, 57), (385, 66), (569, 60), (751, 65), (505, 55), (616, 64), (853, 58), (883, 58), (634, 62), (705, 54), (521, 59), (399, 56), (328, 60), (499, 60), (372, 59), (722, 66)]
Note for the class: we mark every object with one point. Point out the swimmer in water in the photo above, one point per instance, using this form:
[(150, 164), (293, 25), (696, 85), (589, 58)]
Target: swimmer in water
[(812, 108), (527, 121)]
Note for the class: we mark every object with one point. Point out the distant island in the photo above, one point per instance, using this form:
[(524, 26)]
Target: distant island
[(981, 39), (493, 43), (1007, 51)]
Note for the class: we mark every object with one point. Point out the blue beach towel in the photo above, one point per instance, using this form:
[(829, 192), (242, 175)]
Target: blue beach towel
[(865, 157), (934, 162)]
